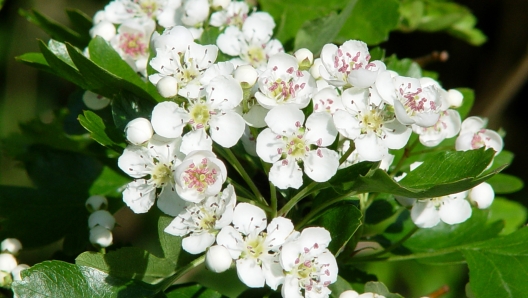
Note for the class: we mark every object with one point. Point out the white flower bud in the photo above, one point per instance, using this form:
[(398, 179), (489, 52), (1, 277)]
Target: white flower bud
[(16, 272), (220, 4), (7, 262), (246, 74), (99, 17), (167, 87), (95, 101), (454, 98), (95, 203), (314, 70), (218, 259), (482, 195), (105, 29), (101, 236), (349, 294), (139, 131), (196, 11), (11, 245), (102, 218), (304, 58)]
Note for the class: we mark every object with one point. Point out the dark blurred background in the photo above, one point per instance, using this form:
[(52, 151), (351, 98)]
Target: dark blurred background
[(497, 71)]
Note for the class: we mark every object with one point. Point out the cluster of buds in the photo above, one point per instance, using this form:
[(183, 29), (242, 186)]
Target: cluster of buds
[(101, 222), (9, 267)]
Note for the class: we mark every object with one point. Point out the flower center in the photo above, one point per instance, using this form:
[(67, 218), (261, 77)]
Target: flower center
[(132, 44), (200, 115), (148, 6), (478, 141), (295, 146), (206, 219), (256, 56), (161, 174), (309, 272), (200, 176), (254, 245)]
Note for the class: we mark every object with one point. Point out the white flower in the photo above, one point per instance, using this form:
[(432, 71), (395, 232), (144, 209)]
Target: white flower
[(233, 15), (354, 157), (215, 113), (473, 136), (451, 209), (10, 245), (96, 202), (218, 259), (482, 195), (373, 128), (102, 218), (309, 266), (447, 126), (349, 65), (132, 42), (201, 222), (101, 236), (152, 167), (286, 142), (283, 83), (199, 175), (327, 100), (413, 103), (119, 11), (8, 262), (195, 12), (252, 44), (255, 251), (139, 131)]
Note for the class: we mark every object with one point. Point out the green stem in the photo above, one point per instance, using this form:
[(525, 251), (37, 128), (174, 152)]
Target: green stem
[(394, 245), (298, 197), (240, 169), (318, 209), (347, 153), (253, 202), (193, 264), (273, 199)]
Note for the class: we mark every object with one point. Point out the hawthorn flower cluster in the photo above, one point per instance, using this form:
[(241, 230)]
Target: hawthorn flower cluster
[(9, 267)]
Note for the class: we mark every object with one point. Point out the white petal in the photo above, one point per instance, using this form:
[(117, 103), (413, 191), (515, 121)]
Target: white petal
[(315, 240), (269, 145), (256, 115), (321, 164), (170, 202), (279, 229), (218, 259), (290, 288), (273, 273), (250, 273), (196, 140), (424, 214), (455, 211), (482, 194), (135, 161), (195, 244), (168, 119), (347, 124), (249, 218), (232, 240), (320, 129), (284, 119), (227, 128), (139, 196), (224, 93), (370, 147), (286, 173)]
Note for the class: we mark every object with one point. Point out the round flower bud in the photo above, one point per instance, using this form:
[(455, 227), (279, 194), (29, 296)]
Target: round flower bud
[(99, 17), (11, 245), (314, 70), (7, 262), (139, 131), (220, 4), (101, 236), (454, 98), (196, 11), (101, 218), (167, 87), (246, 75), (217, 259), (95, 101), (482, 195), (16, 272), (304, 58), (349, 294), (95, 203), (105, 29)]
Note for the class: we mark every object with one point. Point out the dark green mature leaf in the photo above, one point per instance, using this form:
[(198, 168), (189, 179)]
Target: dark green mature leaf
[(371, 21), (504, 183), (467, 103), (145, 266), (57, 279), (497, 268), (333, 220), (128, 107), (192, 291), (35, 60), (313, 35), (513, 214), (102, 132), (171, 245), (81, 22), (55, 30)]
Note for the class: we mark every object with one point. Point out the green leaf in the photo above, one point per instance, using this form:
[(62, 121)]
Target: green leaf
[(128, 107), (58, 279), (339, 287), (144, 267), (109, 183), (504, 183), (513, 214), (35, 60), (103, 133), (313, 35), (55, 30), (171, 245), (467, 103), (60, 51), (371, 21), (381, 289), (333, 220), (404, 67), (497, 268), (80, 21), (192, 291)]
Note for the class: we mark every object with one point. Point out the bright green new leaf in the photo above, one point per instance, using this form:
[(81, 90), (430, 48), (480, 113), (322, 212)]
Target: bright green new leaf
[(381, 289), (102, 132), (512, 213), (145, 266), (109, 183), (497, 268), (404, 67), (192, 291), (339, 287), (505, 184), (58, 279), (35, 60)]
